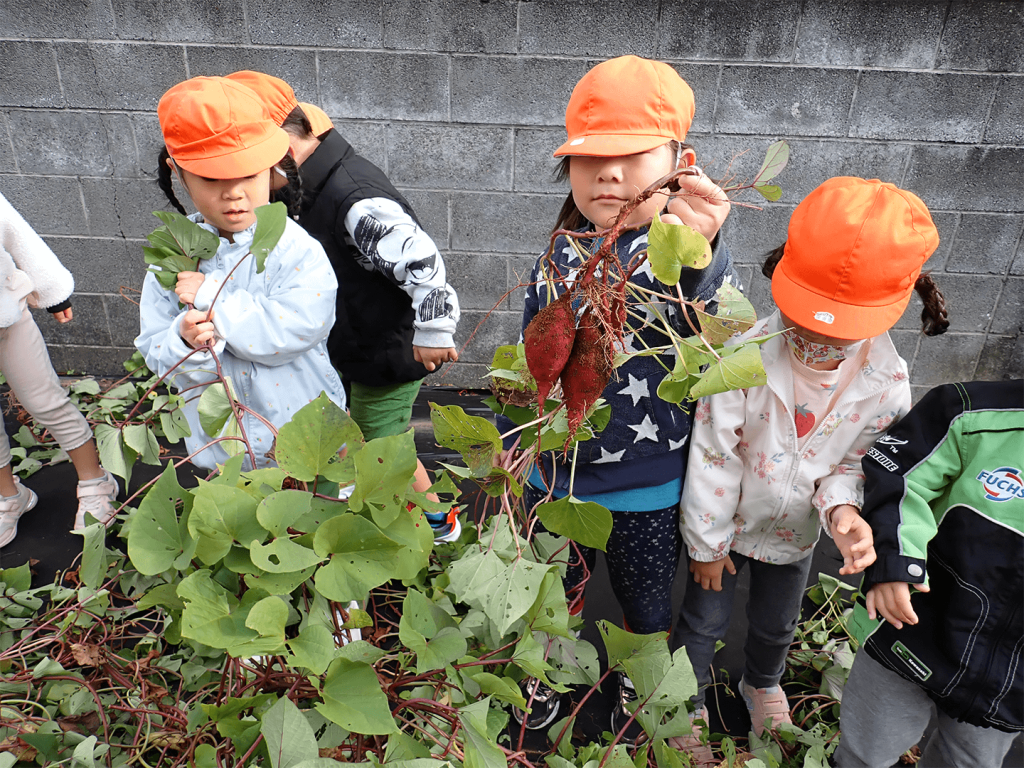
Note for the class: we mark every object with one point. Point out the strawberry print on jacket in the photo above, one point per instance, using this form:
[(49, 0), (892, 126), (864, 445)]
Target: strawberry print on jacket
[(750, 488)]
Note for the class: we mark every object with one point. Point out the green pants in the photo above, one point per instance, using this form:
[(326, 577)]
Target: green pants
[(383, 411)]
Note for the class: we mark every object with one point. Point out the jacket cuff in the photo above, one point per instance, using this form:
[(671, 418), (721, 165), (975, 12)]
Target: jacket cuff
[(423, 337), (894, 568), (66, 304), (206, 293)]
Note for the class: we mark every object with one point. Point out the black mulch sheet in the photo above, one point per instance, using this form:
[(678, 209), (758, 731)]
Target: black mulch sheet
[(44, 535)]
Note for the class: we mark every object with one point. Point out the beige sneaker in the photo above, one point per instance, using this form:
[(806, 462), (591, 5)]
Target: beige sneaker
[(765, 703), (12, 509), (694, 745), (98, 501)]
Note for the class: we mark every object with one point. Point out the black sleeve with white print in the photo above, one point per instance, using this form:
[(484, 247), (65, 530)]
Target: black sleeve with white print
[(392, 243)]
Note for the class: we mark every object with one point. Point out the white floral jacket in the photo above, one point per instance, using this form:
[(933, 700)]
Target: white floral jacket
[(750, 489)]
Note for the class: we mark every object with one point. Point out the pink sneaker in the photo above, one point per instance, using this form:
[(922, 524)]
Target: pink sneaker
[(694, 745), (12, 509), (765, 703), (97, 500)]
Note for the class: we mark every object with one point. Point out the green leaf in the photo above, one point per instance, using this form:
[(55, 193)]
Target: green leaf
[(174, 425), (283, 555), (384, 470), (310, 441), (775, 160), (164, 595), (158, 540), (179, 232), (354, 700), (94, 555), (82, 756), (430, 633), (279, 511), (140, 438), (512, 593), (221, 516), (670, 247), (115, 455), (270, 224), (214, 409), (474, 437), (739, 368), (472, 576), (169, 261), (211, 614), (288, 735), (769, 191), (313, 649), (18, 578), (585, 522), (363, 557), (501, 688), (481, 747)]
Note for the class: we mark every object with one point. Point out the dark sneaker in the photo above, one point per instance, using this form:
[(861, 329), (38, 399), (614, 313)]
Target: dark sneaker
[(620, 714), (544, 707)]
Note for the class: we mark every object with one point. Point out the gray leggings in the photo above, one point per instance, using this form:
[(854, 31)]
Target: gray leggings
[(883, 715), (26, 365)]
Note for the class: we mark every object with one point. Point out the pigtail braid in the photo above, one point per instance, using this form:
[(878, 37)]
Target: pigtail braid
[(934, 316), (164, 180), (291, 193), (771, 261)]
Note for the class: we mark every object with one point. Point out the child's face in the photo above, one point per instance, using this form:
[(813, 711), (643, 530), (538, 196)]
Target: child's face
[(228, 204), (602, 185), (815, 338)]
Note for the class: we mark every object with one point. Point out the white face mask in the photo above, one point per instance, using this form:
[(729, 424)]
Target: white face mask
[(808, 352)]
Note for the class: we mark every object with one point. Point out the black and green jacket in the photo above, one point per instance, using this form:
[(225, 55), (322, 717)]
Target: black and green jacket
[(944, 495)]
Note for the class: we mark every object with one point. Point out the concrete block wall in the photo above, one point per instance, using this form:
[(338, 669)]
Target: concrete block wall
[(461, 102)]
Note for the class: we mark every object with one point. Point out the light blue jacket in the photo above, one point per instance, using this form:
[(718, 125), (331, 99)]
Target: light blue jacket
[(271, 335)]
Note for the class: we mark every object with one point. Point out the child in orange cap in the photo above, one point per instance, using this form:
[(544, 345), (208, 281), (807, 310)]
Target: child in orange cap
[(626, 122), (772, 465), (269, 330), (396, 312)]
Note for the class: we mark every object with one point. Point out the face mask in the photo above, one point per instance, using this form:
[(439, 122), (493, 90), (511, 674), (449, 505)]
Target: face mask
[(808, 352)]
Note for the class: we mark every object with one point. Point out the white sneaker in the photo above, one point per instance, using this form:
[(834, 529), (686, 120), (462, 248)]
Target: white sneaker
[(98, 501), (12, 509)]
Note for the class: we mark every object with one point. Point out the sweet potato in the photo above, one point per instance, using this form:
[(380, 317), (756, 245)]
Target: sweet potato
[(548, 341), (587, 371)]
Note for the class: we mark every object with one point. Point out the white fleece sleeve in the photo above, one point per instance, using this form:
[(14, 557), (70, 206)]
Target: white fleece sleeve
[(394, 244), (52, 283)]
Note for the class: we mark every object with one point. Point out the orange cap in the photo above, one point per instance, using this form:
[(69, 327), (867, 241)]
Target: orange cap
[(854, 251), (275, 92), (318, 119), (220, 129), (626, 105)]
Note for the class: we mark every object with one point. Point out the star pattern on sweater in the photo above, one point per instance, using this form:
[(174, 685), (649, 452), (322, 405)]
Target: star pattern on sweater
[(608, 457), (645, 430), (675, 445), (636, 389)]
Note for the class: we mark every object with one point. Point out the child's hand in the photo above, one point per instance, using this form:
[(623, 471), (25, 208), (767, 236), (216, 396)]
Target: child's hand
[(892, 600), (188, 286), (709, 575), (700, 204), (64, 316), (197, 328), (852, 535), (433, 357)]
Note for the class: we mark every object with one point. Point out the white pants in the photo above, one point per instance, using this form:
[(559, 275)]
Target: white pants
[(883, 715), (26, 365)]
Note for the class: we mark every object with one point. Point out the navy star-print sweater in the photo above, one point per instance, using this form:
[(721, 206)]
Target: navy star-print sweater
[(637, 462)]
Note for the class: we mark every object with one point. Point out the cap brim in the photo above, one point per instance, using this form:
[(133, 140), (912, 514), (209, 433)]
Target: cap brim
[(609, 145), (239, 163), (829, 317), (318, 119)]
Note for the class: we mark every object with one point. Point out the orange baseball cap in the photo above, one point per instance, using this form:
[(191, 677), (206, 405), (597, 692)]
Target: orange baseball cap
[(318, 119), (219, 128), (627, 105), (275, 92), (854, 251)]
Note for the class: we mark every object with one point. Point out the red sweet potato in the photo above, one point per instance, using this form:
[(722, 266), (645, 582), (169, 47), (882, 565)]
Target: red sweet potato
[(587, 371), (548, 341)]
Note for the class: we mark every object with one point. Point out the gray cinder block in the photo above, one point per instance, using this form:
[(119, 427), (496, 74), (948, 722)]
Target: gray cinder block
[(118, 75), (484, 332), (179, 21), (451, 25), (431, 208), (502, 223), (52, 205), (1009, 315), (450, 157), (89, 325), (873, 33), (367, 139), (967, 178), (793, 101), (480, 280), (32, 19), (73, 143), (123, 207), (921, 106), (390, 86), (1006, 119), (585, 28), (28, 72), (522, 91), (947, 358), (984, 243), (751, 234), (326, 23), (703, 79), (96, 360), (534, 167), (7, 164), (985, 35), (101, 265), (297, 67), (970, 299), (1001, 358), (122, 319), (730, 30)]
